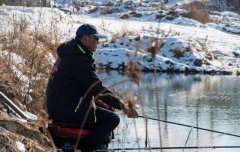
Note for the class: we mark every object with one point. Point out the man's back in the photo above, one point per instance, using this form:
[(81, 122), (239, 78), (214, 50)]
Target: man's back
[(65, 87)]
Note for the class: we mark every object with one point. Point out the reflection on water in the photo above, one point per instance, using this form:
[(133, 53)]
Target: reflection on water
[(205, 101)]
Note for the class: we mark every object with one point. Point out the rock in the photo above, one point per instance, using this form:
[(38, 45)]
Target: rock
[(124, 16), (135, 14), (198, 62), (106, 10), (13, 130), (236, 54)]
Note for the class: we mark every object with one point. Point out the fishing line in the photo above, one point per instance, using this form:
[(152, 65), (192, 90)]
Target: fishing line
[(180, 124), (190, 147)]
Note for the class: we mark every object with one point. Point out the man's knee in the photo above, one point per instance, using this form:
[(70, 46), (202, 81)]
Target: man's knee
[(117, 120), (114, 120)]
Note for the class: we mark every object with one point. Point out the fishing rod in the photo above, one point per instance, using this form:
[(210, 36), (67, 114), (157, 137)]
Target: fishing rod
[(190, 147), (13, 106), (190, 126)]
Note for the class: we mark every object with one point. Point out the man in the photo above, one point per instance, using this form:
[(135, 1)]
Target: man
[(75, 92)]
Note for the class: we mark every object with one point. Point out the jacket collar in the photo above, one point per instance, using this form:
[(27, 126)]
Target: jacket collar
[(83, 50)]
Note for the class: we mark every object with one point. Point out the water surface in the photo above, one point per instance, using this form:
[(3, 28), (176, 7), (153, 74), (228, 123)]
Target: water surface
[(206, 101)]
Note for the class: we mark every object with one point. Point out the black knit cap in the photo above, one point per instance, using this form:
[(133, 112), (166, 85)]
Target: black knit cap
[(88, 29)]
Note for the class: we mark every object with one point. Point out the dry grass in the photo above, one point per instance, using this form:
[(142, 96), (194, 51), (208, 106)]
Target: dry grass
[(25, 65), (198, 12), (179, 52), (155, 46)]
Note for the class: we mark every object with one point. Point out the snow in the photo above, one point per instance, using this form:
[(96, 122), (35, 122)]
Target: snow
[(20, 146), (30, 116), (213, 43), (184, 42)]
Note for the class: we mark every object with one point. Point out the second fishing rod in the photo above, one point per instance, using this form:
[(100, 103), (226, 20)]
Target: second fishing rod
[(180, 124)]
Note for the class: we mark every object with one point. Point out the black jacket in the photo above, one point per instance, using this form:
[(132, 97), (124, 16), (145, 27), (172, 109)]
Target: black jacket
[(72, 75)]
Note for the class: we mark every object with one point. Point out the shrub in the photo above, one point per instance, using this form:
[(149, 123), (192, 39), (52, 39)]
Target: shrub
[(25, 65), (197, 12), (178, 52)]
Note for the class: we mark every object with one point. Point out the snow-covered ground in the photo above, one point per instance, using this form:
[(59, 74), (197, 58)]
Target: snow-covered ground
[(185, 45)]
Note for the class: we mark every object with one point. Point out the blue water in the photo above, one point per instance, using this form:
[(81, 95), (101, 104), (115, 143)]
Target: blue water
[(206, 101)]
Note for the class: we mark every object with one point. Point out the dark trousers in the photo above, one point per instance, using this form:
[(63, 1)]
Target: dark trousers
[(107, 121)]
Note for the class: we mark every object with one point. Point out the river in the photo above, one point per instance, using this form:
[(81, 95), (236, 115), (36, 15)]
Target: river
[(206, 101)]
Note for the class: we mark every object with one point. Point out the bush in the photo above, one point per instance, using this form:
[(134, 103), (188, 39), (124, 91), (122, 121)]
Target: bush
[(197, 12), (25, 65)]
